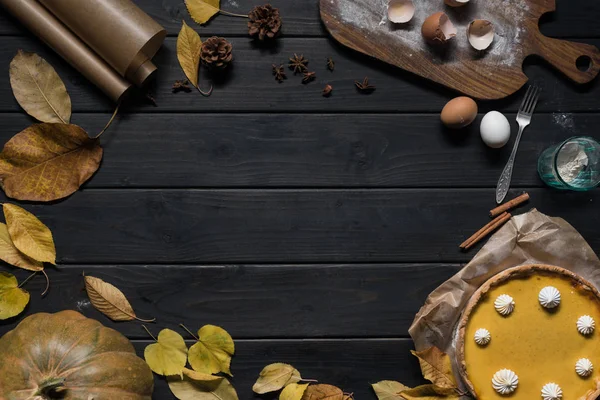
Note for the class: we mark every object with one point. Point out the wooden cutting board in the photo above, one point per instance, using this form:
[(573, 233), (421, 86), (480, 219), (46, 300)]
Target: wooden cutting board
[(496, 73)]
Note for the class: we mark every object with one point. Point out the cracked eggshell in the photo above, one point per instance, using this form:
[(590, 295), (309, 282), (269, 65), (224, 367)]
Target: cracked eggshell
[(438, 29), (400, 11), (456, 3), (480, 33)]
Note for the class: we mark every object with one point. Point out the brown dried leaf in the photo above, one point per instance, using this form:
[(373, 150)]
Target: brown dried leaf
[(109, 300), (47, 162), (10, 254), (429, 392), (389, 390), (188, 52), (323, 392), (436, 367), (38, 88), (274, 377), (202, 11), (29, 234)]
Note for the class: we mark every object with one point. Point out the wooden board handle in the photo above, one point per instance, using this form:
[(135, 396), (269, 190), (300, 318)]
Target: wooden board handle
[(565, 56)]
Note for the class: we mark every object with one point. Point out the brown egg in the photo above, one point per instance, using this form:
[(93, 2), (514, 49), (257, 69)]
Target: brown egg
[(438, 29), (459, 112)]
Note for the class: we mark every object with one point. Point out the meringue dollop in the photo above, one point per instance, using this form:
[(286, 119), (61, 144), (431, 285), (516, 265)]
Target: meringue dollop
[(482, 336), (551, 391), (504, 304), (586, 325), (549, 297), (505, 381), (584, 367)]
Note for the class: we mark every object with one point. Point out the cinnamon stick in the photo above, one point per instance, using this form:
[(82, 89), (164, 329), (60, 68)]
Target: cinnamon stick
[(486, 230), (508, 205)]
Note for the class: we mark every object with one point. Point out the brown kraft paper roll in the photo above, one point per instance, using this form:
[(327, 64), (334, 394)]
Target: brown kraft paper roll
[(44, 25), (119, 31)]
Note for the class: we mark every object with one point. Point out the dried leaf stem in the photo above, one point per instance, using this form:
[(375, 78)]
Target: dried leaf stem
[(27, 279), (205, 94), (188, 331), (150, 333), (47, 283), (109, 122), (233, 14)]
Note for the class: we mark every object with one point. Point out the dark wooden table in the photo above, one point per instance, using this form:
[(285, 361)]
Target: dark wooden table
[(311, 228)]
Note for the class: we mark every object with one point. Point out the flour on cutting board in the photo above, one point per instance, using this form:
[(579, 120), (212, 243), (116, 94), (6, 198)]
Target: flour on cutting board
[(371, 17)]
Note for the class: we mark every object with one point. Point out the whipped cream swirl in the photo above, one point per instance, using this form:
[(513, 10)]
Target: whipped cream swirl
[(504, 304), (584, 367), (586, 325), (482, 336), (505, 381), (549, 297), (551, 391)]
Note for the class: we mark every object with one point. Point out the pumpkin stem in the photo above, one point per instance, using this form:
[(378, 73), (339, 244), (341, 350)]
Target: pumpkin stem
[(50, 387)]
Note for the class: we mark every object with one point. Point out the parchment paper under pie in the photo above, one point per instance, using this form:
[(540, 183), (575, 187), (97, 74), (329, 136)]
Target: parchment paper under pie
[(531, 238)]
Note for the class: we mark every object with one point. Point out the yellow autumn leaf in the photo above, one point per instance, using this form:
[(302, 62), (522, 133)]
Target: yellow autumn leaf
[(29, 234), (436, 367), (10, 254), (429, 392), (389, 390), (200, 376), (293, 391), (202, 11), (212, 353), (323, 392), (275, 376), (109, 300), (13, 299), (189, 389), (168, 355), (188, 52), (38, 88), (46, 162)]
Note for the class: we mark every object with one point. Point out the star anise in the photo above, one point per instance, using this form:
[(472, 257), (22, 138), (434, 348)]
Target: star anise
[(181, 85), (308, 77), (364, 86), (327, 90), (279, 73), (330, 64), (298, 63)]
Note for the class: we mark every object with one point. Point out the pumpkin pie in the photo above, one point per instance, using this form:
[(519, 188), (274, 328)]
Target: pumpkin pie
[(529, 333)]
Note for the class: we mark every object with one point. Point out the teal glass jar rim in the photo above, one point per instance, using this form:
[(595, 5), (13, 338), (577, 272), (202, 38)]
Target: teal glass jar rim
[(555, 165)]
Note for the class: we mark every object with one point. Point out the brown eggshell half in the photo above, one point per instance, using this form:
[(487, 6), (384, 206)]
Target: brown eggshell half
[(438, 29), (459, 112)]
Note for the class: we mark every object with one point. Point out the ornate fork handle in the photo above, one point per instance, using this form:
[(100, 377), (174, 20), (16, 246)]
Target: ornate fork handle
[(506, 176)]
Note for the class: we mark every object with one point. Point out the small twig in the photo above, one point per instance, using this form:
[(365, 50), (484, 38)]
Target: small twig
[(309, 380), (188, 331), (27, 279), (150, 333), (47, 283), (233, 14), (109, 122), (205, 94)]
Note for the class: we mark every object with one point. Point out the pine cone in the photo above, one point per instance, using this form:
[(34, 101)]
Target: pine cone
[(216, 52), (265, 22)]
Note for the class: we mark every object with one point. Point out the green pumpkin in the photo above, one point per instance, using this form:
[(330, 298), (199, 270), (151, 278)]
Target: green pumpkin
[(68, 356)]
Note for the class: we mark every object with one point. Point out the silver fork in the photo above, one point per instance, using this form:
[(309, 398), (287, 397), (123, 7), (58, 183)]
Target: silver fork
[(523, 119)]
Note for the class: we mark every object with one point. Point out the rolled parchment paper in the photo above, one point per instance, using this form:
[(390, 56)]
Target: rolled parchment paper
[(44, 25), (531, 238), (117, 30)]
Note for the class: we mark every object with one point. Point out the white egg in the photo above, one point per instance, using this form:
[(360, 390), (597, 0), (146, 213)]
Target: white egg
[(495, 129)]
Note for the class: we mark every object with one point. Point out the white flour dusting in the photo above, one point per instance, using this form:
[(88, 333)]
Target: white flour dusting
[(371, 17), (564, 120), (571, 160)]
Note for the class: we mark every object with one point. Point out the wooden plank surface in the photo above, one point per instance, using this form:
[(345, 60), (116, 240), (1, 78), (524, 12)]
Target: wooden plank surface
[(291, 150), (250, 86), (574, 18), (286, 226), (254, 301), (353, 365)]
